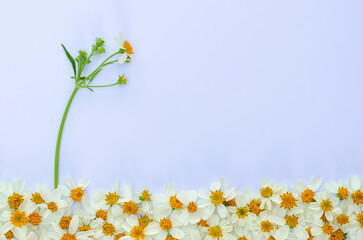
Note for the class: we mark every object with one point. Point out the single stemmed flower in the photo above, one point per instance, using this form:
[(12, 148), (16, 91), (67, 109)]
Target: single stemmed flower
[(79, 63)]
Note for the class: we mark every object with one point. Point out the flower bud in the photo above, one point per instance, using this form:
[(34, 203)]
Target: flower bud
[(122, 80)]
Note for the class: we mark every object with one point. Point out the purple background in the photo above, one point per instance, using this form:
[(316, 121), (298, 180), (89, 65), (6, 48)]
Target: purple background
[(233, 89)]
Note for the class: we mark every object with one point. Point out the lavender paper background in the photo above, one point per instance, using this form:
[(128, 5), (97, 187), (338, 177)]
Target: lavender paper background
[(233, 89)]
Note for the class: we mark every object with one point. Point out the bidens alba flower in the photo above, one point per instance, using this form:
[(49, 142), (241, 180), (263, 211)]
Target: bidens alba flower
[(127, 55)]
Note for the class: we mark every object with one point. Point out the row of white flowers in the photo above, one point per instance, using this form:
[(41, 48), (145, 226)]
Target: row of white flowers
[(303, 212)]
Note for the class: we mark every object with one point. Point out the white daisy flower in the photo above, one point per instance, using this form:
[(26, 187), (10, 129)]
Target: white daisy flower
[(164, 204), (110, 229), (322, 230), (270, 193), (109, 200), (191, 213), (215, 197), (240, 214), (160, 228), (308, 191), (355, 227), (136, 231), (218, 229), (71, 232), (54, 206), (343, 220), (355, 204), (325, 204), (295, 224), (129, 202), (268, 224), (74, 192), (145, 198), (15, 221), (341, 190), (127, 55), (36, 197), (12, 195)]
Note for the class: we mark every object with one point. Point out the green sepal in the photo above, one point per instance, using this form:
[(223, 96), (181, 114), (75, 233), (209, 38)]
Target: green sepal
[(70, 59)]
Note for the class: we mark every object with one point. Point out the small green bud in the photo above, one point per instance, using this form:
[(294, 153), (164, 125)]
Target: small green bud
[(82, 53), (99, 42), (122, 80), (101, 50)]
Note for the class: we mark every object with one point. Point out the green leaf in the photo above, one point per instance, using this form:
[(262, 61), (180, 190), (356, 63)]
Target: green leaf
[(70, 59), (90, 89)]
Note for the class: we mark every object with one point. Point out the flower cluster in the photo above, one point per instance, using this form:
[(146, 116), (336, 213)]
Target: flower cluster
[(274, 212)]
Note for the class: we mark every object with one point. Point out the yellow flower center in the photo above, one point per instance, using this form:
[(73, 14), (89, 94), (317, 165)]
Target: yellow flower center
[(192, 207), (254, 207), (217, 197), (9, 235), (15, 200), (68, 236), (307, 196), (357, 197), (144, 221), (108, 229), (111, 198), (101, 214), (175, 203), (203, 223), (327, 229), (77, 194), (128, 47), (130, 207), (34, 219), (37, 198), (337, 235), (326, 205), (231, 202), (266, 192), (242, 212), (52, 206), (119, 236), (18, 219), (166, 224), (145, 196), (360, 219), (271, 238), (242, 238), (288, 201), (215, 232), (64, 222), (292, 221), (137, 232), (84, 228), (343, 219), (342, 193), (170, 238), (266, 226)]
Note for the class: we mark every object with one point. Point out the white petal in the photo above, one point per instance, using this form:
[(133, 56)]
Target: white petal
[(73, 224), (315, 183), (177, 233), (222, 211)]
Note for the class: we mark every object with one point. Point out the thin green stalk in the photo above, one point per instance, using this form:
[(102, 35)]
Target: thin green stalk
[(110, 85), (56, 163)]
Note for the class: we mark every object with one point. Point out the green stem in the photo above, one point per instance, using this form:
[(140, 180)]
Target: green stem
[(110, 85), (56, 162)]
